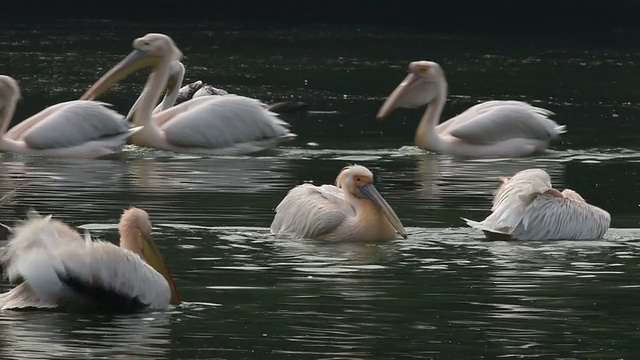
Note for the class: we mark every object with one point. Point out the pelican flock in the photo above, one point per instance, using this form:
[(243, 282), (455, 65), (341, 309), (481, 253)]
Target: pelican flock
[(353, 210), (215, 125), (489, 129), (55, 267), (527, 207), (58, 268)]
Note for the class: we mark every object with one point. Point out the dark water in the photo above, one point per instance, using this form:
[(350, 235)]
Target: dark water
[(442, 293)]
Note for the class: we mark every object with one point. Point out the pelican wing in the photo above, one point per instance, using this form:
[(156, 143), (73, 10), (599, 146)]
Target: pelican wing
[(75, 123), (561, 218), (514, 195), (495, 121), (16, 132), (164, 116), (311, 211), (36, 234), (20, 297), (219, 122), (105, 275), (61, 270)]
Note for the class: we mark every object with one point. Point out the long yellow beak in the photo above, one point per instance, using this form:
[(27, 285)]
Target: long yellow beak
[(154, 258), (136, 60), (372, 194), (399, 91)]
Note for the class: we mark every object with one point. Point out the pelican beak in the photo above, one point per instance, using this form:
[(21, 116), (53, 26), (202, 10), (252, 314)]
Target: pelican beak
[(392, 101), (154, 258), (138, 59), (372, 194)]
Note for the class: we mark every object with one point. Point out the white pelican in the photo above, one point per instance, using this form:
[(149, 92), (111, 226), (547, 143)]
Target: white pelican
[(60, 269), (490, 129), (79, 129), (217, 125), (526, 207), (175, 94), (351, 210)]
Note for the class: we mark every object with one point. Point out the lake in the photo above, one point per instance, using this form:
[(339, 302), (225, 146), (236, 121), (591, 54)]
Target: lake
[(444, 292)]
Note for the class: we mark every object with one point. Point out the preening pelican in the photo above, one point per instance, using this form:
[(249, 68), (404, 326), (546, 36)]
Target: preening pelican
[(175, 94), (219, 125), (79, 129), (198, 88), (352, 210), (490, 129), (60, 269), (527, 207)]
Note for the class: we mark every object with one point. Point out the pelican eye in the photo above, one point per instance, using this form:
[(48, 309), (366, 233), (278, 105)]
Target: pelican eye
[(424, 70)]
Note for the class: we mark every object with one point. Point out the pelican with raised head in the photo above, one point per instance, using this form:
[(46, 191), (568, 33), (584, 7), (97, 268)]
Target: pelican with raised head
[(217, 125), (78, 129), (490, 129), (352, 210), (527, 207), (60, 269)]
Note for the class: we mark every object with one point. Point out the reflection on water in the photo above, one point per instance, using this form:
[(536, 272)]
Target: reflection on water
[(444, 292), (233, 174), (38, 335)]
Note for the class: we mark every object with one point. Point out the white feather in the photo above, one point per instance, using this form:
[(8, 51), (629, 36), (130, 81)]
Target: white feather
[(311, 211), (22, 296), (75, 123), (494, 121), (224, 122)]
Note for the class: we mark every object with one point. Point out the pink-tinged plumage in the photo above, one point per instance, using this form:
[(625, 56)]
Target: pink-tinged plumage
[(78, 129), (217, 125), (527, 207), (490, 129), (352, 210), (58, 268)]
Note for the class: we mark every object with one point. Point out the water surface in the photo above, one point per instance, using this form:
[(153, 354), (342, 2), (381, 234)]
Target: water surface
[(442, 293)]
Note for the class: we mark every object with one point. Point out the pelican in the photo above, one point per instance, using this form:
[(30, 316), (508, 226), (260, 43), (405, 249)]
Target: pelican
[(198, 88), (78, 129), (60, 269), (489, 129), (527, 207), (175, 94), (216, 125), (351, 210)]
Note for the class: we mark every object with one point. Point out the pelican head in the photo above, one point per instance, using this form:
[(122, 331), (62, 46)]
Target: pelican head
[(358, 181), (148, 51), (570, 194), (135, 235), (424, 83)]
